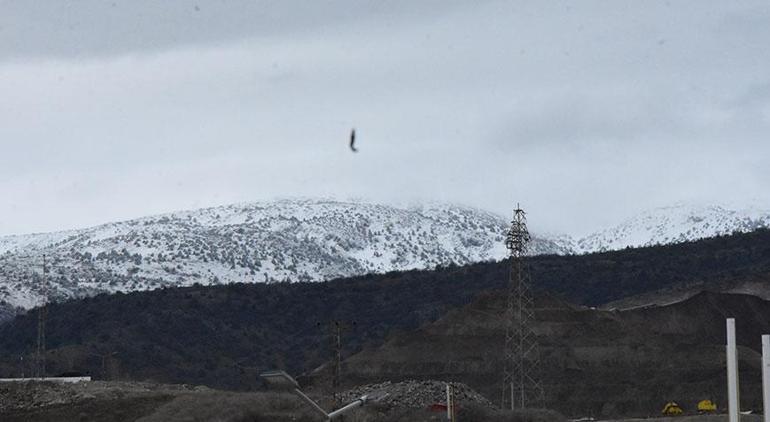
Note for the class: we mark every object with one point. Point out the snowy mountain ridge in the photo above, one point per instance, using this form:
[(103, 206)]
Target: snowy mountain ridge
[(296, 240), (677, 223), (306, 240)]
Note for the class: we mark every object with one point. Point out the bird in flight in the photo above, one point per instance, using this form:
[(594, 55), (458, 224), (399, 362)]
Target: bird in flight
[(353, 140)]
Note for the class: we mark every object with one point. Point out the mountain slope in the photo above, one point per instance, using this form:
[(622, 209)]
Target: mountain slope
[(305, 240), (674, 224), (289, 240), (224, 335)]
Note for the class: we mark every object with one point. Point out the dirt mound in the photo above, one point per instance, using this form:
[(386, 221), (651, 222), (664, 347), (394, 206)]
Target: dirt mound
[(414, 394), (594, 362)]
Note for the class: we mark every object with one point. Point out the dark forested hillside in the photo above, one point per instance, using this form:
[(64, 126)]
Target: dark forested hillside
[(224, 335)]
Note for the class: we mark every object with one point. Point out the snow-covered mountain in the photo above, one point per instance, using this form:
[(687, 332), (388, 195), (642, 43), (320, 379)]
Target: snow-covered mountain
[(674, 224), (305, 240), (288, 240)]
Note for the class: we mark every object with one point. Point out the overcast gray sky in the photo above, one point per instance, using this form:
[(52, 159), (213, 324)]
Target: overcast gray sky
[(585, 112)]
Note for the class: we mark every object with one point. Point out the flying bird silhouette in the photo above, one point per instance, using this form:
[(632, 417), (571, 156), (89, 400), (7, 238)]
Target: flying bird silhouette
[(353, 140)]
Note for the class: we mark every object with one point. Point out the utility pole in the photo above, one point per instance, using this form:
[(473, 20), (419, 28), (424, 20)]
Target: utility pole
[(41, 319), (521, 382), (104, 357), (733, 391), (337, 360), (336, 337), (766, 377), (336, 330), (450, 403)]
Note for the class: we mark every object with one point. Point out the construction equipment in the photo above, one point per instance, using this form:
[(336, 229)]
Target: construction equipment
[(672, 409), (707, 406)]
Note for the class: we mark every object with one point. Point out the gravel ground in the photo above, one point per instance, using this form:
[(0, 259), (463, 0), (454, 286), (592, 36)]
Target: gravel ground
[(32, 395), (119, 401), (418, 394), (691, 418)]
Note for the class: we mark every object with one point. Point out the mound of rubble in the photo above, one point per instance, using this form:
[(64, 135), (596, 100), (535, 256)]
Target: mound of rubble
[(418, 394)]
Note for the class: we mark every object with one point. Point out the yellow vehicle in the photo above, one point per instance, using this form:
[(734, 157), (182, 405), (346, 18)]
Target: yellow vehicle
[(672, 409), (707, 406)]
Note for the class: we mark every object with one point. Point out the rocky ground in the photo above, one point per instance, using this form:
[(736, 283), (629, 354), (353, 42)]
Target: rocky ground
[(150, 402), (691, 418), (418, 394), (139, 401), (36, 395)]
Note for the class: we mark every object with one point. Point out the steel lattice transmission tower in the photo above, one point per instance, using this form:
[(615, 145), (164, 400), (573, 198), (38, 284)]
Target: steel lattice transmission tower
[(521, 385)]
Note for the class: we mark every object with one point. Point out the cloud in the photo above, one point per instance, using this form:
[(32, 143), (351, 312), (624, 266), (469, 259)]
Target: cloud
[(97, 28), (578, 111)]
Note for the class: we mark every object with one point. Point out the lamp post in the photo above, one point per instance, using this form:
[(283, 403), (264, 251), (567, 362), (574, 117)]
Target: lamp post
[(280, 380)]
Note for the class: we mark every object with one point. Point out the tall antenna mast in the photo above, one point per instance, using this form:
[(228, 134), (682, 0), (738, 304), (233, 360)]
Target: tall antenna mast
[(41, 317), (521, 383)]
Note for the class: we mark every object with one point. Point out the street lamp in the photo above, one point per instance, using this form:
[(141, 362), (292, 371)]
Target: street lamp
[(280, 380)]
